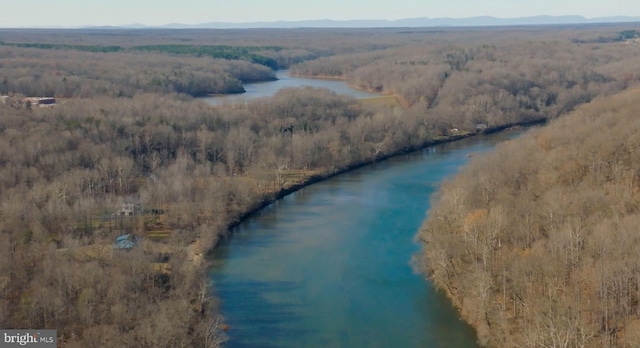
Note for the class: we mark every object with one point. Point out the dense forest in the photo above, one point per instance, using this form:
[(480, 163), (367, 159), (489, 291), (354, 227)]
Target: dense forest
[(537, 243), (128, 132), (490, 81), (79, 74)]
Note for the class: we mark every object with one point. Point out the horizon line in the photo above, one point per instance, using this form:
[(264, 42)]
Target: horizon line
[(579, 19)]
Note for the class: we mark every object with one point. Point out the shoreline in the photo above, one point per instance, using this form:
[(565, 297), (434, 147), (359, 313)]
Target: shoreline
[(209, 95), (398, 97), (318, 77), (282, 193)]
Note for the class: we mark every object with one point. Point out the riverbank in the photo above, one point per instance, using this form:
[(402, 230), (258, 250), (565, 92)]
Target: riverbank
[(319, 77), (400, 100), (549, 249), (323, 258), (283, 80), (272, 197)]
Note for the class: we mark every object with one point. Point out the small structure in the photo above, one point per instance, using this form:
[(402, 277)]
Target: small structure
[(4, 98), (126, 242), (39, 101), (481, 127), (127, 209), (42, 102)]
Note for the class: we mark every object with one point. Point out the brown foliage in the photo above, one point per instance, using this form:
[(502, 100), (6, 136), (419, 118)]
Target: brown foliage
[(65, 170), (493, 77), (538, 244), (65, 74), (194, 169)]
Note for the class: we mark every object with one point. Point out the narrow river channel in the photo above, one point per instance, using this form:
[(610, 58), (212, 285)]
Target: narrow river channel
[(269, 88), (329, 266)]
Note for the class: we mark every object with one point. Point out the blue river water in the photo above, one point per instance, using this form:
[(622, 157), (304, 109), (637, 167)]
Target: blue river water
[(330, 265), (269, 88)]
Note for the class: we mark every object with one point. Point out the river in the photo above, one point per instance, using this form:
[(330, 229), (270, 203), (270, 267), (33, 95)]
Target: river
[(329, 266), (269, 88)]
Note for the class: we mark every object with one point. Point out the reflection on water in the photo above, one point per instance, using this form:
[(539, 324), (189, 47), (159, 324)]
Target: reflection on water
[(269, 88), (330, 264)]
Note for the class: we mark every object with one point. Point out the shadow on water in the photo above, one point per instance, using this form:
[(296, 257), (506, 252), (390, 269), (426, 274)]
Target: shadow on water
[(257, 321)]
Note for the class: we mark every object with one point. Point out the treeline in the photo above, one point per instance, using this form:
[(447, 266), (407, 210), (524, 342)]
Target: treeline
[(319, 42), (537, 243), (223, 52), (273, 57), (67, 74), (494, 81), (622, 36), (103, 49)]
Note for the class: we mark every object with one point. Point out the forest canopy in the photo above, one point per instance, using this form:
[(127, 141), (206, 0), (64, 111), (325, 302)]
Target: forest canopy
[(537, 242), (128, 150)]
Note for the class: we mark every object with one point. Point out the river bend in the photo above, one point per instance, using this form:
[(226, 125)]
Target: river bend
[(329, 266)]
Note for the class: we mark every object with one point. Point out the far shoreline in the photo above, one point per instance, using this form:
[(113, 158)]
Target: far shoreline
[(401, 101)]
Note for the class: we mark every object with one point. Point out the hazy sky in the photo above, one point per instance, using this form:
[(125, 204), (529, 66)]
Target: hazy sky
[(27, 13)]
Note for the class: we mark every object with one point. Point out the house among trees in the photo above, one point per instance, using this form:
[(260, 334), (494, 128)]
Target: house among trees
[(126, 241), (127, 209)]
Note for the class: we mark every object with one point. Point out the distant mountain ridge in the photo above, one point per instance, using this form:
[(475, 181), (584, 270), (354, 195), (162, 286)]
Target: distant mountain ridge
[(406, 22)]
